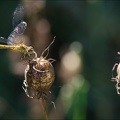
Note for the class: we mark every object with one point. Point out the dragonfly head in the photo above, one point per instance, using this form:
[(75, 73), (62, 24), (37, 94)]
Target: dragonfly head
[(31, 52)]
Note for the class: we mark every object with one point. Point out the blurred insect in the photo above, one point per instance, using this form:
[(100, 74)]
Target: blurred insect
[(39, 76), (117, 78), (14, 40)]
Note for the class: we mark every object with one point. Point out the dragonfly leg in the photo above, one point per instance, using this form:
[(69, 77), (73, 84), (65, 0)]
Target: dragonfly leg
[(23, 57)]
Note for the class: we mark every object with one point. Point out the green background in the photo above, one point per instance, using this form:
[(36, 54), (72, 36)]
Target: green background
[(96, 25)]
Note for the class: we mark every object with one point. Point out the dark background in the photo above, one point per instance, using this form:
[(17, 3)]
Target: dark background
[(94, 24)]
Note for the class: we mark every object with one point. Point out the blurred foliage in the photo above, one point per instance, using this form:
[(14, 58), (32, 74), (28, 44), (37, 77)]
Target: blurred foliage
[(96, 25)]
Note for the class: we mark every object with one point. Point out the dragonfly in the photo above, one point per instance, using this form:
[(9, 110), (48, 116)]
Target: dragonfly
[(15, 39)]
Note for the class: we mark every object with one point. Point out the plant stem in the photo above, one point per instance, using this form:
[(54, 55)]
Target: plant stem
[(44, 108)]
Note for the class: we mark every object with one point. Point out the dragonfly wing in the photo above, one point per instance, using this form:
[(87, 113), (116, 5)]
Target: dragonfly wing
[(18, 24), (16, 33), (18, 15), (3, 40)]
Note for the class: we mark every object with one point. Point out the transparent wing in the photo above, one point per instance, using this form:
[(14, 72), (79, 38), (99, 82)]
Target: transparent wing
[(18, 24), (16, 33), (18, 15)]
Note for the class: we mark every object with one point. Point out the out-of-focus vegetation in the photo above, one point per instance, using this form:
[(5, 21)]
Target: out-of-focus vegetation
[(87, 41)]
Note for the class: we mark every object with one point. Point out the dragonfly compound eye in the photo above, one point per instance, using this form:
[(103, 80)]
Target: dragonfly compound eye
[(39, 77), (30, 50)]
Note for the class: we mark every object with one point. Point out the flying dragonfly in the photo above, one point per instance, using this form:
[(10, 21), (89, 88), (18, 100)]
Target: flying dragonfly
[(15, 39)]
